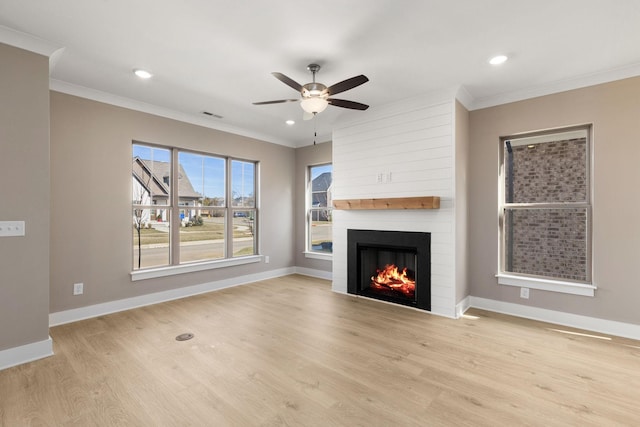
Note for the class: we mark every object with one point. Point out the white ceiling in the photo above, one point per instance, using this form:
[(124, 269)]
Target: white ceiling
[(217, 56)]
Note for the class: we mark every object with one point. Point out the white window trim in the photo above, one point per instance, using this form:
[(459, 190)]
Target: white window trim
[(307, 252), (583, 289), (152, 273), (318, 255), (542, 283), (174, 269)]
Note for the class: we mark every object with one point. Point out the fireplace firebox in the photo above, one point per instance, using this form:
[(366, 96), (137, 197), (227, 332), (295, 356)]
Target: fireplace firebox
[(394, 266)]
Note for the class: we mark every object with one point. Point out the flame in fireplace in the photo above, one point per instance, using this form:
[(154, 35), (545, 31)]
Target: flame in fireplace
[(389, 278)]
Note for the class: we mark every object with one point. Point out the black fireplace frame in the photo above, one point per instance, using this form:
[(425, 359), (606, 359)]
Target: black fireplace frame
[(419, 242)]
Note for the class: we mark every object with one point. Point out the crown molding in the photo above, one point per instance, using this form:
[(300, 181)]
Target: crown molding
[(120, 101), (578, 82), (464, 97), (28, 42)]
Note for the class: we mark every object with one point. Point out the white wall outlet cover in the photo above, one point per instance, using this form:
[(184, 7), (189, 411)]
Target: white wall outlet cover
[(12, 228), (78, 288)]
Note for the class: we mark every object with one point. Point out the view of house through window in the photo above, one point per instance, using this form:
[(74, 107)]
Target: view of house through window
[(151, 206), (546, 206), (210, 200), (319, 221)]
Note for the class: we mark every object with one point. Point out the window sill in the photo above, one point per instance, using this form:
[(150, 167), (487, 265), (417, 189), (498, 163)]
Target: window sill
[(318, 255), (152, 273), (547, 285)]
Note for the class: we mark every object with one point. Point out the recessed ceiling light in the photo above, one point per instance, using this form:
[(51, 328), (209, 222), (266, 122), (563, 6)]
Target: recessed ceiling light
[(290, 122), (143, 74), (498, 59)]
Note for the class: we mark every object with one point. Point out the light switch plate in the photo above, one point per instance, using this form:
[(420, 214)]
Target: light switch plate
[(11, 228)]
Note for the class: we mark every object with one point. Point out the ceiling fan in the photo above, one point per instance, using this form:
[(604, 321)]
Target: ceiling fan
[(315, 97)]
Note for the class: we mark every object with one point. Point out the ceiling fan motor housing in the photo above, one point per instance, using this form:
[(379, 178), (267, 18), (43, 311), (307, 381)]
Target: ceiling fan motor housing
[(314, 90)]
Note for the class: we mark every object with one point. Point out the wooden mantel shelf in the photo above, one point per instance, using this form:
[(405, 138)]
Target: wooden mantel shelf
[(429, 202)]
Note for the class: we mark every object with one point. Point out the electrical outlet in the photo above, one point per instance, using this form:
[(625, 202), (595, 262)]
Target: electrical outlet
[(266, 259), (78, 288), (524, 293)]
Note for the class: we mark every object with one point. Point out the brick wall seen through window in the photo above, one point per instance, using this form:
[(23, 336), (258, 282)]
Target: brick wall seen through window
[(545, 224)]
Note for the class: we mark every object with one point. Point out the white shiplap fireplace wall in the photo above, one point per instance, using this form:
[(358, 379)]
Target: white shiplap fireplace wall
[(401, 150)]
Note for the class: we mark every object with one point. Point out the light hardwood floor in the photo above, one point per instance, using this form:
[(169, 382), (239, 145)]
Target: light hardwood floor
[(289, 352)]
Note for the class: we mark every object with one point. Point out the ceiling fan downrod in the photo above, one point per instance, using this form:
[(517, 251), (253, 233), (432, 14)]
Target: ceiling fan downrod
[(314, 68)]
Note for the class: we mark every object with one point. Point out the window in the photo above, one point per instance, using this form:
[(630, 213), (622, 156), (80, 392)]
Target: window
[(191, 207), (243, 206), (151, 206), (546, 211), (319, 210)]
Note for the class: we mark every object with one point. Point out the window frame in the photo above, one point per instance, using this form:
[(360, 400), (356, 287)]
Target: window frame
[(174, 207), (151, 204), (547, 283), (309, 252)]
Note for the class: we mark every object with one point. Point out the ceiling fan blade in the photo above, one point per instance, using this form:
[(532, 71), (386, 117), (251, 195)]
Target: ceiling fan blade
[(347, 104), (279, 101), (289, 82), (347, 84)]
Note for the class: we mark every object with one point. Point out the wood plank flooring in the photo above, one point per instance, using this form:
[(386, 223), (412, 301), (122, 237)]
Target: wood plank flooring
[(289, 352)]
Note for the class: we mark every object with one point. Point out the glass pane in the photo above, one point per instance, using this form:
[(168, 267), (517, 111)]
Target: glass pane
[(321, 231), (244, 240), (243, 184), (151, 169), (201, 183), (150, 238), (547, 242), (151, 198), (202, 237), (321, 179), (201, 179), (546, 172), (320, 226)]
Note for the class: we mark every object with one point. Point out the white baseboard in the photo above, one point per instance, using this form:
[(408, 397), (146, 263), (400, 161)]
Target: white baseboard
[(609, 327), (76, 314), (320, 274), (26, 353), (463, 306)]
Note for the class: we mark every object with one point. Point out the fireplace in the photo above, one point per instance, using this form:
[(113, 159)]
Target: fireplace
[(393, 266)]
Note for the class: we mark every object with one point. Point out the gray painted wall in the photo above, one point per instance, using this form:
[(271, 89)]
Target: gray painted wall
[(24, 196), (91, 197), (613, 108)]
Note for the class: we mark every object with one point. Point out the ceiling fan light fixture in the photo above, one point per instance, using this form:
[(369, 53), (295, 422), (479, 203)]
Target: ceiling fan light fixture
[(314, 105)]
